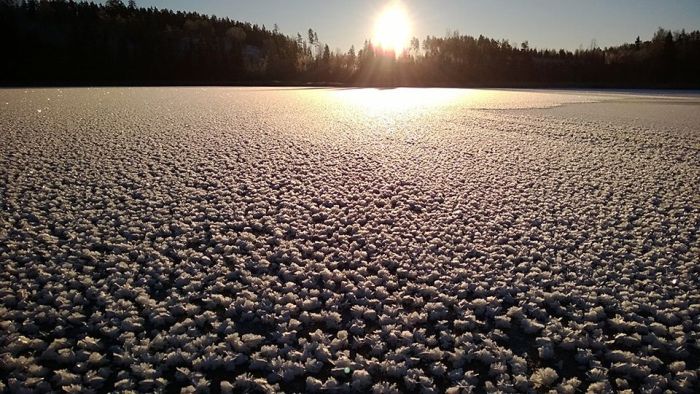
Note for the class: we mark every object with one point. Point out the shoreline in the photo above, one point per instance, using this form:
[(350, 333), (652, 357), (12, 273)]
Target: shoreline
[(302, 84)]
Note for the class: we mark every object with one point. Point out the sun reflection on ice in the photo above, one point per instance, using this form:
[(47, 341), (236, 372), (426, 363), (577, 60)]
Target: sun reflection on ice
[(400, 100)]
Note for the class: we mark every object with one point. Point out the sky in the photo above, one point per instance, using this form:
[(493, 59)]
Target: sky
[(567, 24)]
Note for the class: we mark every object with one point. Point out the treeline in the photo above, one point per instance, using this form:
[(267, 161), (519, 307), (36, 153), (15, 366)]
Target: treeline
[(670, 59), (68, 42)]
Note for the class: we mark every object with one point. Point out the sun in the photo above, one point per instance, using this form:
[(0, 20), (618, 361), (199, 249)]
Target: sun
[(392, 29)]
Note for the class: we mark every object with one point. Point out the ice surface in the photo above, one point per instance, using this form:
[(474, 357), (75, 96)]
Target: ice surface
[(348, 239)]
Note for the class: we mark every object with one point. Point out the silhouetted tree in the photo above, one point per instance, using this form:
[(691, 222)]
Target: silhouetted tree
[(114, 4)]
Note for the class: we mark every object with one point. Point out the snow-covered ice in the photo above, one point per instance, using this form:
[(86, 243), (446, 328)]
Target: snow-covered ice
[(265, 239)]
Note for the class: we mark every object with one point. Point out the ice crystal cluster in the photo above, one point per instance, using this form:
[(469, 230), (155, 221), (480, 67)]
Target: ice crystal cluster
[(246, 240)]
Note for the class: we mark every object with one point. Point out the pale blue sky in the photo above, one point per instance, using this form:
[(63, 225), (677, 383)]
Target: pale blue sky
[(544, 23)]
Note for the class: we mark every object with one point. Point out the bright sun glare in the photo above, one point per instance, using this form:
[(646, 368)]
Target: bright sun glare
[(392, 29)]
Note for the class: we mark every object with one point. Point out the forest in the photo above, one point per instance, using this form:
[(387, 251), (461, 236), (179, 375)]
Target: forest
[(83, 43)]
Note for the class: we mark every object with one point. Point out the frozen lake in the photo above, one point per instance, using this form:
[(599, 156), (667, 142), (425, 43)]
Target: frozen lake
[(308, 239)]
